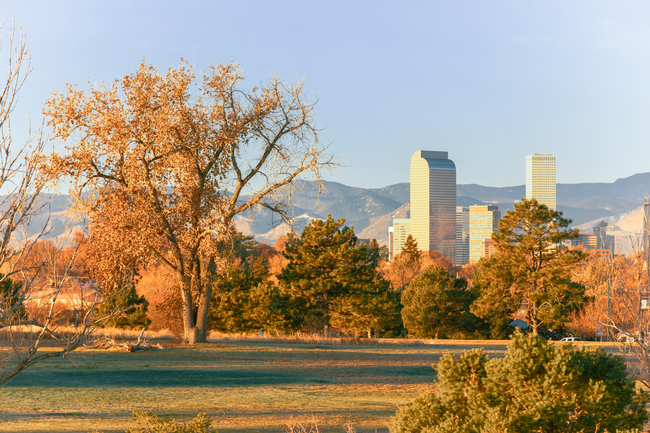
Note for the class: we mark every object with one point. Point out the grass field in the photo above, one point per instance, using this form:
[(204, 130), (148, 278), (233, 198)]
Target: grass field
[(244, 385)]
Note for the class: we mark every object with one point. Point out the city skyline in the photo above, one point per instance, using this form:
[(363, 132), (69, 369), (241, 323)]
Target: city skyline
[(464, 234), (489, 82)]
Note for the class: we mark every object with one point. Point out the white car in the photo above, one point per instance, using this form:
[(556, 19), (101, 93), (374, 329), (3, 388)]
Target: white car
[(571, 339)]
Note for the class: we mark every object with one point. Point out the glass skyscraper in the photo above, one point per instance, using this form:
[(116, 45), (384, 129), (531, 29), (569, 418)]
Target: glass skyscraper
[(433, 202), (462, 235)]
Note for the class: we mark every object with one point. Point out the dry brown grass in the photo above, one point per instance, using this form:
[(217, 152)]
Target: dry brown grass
[(23, 335), (311, 426), (307, 338)]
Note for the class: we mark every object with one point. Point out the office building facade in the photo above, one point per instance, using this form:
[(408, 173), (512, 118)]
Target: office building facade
[(588, 241), (605, 237), (541, 179), (433, 202), (488, 248), (483, 221), (462, 235), (398, 233)]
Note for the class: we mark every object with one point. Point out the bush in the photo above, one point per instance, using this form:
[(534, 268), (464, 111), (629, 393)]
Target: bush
[(536, 388), (10, 299), (148, 422)]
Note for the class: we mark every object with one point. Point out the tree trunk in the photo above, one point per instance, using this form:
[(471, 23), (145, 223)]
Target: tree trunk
[(201, 333), (204, 305), (189, 324), (195, 321), (533, 318)]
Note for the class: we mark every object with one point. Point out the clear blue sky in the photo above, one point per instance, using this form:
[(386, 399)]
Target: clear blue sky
[(488, 81)]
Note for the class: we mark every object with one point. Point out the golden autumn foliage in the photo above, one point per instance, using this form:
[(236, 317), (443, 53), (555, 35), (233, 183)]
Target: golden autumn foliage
[(403, 269), (170, 159), (617, 286)]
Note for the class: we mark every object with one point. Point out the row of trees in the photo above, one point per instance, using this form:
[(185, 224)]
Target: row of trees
[(330, 281), (160, 164), (529, 276)]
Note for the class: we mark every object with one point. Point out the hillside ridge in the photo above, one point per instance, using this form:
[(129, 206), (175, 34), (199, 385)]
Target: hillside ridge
[(371, 210)]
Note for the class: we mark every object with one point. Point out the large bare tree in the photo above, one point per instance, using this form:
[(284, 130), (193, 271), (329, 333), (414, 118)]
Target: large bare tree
[(35, 276), (623, 286), (171, 160)]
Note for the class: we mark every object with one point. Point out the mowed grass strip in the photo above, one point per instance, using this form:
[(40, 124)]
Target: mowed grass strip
[(245, 386)]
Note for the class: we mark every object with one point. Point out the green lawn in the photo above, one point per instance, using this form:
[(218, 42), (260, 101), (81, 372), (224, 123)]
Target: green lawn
[(244, 386)]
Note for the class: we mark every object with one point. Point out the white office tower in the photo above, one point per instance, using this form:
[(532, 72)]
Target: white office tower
[(541, 180), (483, 221), (401, 230), (433, 202)]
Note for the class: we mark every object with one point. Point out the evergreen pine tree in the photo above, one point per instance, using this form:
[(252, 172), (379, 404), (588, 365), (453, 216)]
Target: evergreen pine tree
[(335, 281), (411, 249), (11, 306), (531, 269), (131, 310), (437, 305)]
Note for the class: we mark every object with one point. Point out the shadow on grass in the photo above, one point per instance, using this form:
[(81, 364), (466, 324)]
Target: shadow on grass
[(73, 377)]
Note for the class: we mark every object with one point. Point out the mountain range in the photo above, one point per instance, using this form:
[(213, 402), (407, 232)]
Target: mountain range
[(371, 210)]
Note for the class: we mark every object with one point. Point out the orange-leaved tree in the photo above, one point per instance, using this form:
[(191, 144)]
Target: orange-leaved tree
[(171, 160)]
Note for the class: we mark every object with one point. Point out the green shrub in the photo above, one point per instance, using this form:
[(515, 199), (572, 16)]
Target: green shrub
[(11, 300), (127, 310), (536, 388)]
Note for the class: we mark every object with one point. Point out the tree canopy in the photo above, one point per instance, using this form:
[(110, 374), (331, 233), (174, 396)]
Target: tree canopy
[(531, 270), (437, 305), (411, 250), (171, 160)]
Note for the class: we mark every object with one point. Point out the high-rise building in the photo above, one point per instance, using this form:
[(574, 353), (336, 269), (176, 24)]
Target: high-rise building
[(433, 202), (400, 231), (483, 221), (541, 180), (586, 240), (462, 235), (605, 237)]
